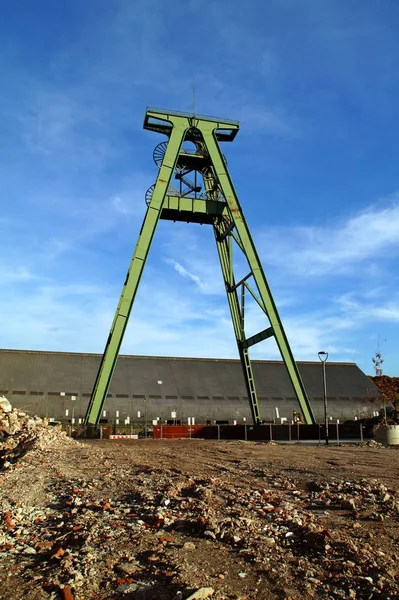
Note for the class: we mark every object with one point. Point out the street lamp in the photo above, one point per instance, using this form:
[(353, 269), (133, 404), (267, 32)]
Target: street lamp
[(323, 357)]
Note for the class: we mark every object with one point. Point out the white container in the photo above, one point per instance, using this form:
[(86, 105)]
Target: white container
[(387, 435)]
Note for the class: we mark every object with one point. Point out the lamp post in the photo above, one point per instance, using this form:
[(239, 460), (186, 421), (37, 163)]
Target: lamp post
[(160, 382), (323, 357)]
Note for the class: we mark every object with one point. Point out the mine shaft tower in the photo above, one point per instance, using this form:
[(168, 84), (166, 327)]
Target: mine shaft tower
[(203, 193)]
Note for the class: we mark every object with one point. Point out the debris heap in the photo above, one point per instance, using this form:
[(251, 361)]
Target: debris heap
[(20, 432), (100, 521)]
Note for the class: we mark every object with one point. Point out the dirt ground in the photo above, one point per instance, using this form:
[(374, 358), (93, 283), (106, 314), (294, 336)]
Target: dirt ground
[(157, 519)]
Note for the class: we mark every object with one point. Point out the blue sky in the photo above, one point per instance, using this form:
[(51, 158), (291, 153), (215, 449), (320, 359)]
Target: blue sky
[(314, 85)]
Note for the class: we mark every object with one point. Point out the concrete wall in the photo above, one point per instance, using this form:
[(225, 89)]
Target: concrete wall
[(207, 389)]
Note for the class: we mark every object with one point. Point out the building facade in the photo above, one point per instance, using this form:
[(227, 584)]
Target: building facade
[(145, 388)]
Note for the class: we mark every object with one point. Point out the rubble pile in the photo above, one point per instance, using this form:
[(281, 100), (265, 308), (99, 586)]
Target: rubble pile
[(277, 528), (367, 499), (125, 525), (20, 432)]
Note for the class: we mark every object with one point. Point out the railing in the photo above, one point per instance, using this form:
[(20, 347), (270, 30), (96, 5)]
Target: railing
[(297, 432), (177, 113), (351, 432)]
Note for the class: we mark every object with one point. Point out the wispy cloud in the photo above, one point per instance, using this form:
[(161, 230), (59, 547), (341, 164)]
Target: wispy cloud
[(361, 309), (193, 250), (337, 248), (186, 273), (13, 275)]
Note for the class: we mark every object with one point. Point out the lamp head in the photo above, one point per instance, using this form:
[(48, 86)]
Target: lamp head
[(323, 355)]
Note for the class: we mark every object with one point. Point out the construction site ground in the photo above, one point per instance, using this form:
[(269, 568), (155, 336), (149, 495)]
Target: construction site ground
[(177, 519)]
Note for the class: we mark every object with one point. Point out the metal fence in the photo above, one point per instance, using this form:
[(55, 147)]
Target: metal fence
[(337, 433), (353, 431)]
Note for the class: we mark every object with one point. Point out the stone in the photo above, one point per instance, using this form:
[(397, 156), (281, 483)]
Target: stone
[(127, 567), (269, 541), (204, 592), (67, 593), (189, 546), (127, 588), (348, 504), (5, 405), (380, 517)]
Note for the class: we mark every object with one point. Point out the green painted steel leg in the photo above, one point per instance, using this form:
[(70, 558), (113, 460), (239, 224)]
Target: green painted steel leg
[(224, 247), (108, 362), (249, 250)]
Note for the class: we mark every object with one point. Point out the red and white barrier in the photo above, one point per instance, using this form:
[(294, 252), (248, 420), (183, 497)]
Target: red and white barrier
[(124, 437)]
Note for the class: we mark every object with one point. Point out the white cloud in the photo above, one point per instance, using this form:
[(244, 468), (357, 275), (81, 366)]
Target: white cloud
[(197, 255), (308, 331), (13, 275), (338, 248), (361, 309), (185, 273), (389, 312), (177, 321)]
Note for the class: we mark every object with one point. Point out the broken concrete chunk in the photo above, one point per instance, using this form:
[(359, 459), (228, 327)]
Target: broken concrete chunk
[(189, 546), (5, 405), (127, 567), (204, 592)]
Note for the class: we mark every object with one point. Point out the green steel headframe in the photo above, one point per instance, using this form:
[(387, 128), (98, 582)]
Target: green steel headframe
[(204, 194)]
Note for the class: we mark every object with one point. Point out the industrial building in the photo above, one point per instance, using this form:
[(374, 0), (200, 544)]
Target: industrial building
[(146, 388)]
